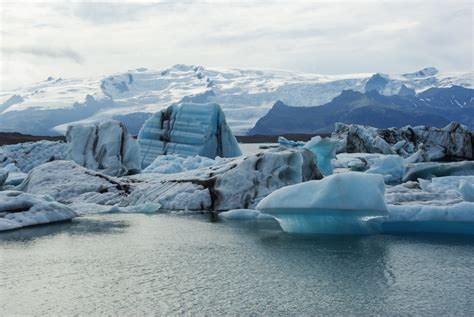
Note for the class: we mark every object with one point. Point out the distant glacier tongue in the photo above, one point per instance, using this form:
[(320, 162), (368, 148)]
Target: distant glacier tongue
[(187, 129)]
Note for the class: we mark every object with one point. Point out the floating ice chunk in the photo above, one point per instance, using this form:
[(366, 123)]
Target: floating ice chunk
[(289, 143), (337, 204), (18, 209), (240, 214), (391, 167), (106, 147), (452, 219), (325, 150), (31, 154), (434, 169), (188, 129), (466, 188), (168, 164)]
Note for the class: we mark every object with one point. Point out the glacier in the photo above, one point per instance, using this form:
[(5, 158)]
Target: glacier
[(187, 129), (337, 204), (244, 94), (105, 147)]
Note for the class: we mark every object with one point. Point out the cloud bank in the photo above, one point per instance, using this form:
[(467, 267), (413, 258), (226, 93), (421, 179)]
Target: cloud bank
[(90, 39)]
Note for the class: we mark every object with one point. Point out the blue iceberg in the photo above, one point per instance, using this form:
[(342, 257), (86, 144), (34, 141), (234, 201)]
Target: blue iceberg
[(187, 129), (337, 204)]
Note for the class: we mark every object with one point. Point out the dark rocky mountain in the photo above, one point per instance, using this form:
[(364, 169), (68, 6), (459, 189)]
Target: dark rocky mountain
[(433, 107)]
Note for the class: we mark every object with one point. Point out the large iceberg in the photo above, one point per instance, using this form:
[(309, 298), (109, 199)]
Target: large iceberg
[(452, 141), (187, 129), (232, 183), (106, 147), (337, 204), (18, 209)]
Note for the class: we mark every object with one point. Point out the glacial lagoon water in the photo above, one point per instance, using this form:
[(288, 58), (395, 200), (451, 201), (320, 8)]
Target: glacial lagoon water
[(195, 264), (141, 264)]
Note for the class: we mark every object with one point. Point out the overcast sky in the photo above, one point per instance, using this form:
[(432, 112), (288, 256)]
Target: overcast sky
[(91, 39)]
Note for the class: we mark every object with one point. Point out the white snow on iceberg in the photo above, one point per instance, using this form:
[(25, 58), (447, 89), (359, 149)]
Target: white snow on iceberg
[(169, 164), (188, 129), (337, 204)]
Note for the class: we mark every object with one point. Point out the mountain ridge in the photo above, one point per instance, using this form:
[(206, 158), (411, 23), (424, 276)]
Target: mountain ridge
[(433, 107), (46, 108)]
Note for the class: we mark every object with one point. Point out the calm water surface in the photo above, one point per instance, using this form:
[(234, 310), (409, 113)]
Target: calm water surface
[(136, 264)]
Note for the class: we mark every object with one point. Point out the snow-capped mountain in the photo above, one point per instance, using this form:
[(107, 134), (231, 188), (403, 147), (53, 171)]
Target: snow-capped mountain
[(245, 95)]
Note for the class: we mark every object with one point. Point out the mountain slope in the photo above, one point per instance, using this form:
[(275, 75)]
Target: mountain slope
[(434, 107), (245, 95)]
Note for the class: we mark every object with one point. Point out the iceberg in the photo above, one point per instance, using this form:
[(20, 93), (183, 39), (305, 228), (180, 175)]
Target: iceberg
[(106, 147), (18, 209), (290, 143), (452, 219), (337, 204), (67, 182), (325, 150), (391, 167), (232, 183), (27, 156), (452, 141), (429, 170), (241, 214), (187, 129)]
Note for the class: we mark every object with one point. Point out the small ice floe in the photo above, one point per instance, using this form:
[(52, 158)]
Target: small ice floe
[(243, 214), (18, 209)]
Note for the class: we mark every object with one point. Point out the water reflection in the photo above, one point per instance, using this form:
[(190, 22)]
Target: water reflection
[(79, 226)]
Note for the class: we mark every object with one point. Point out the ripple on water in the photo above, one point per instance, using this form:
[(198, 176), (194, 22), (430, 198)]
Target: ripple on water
[(141, 264)]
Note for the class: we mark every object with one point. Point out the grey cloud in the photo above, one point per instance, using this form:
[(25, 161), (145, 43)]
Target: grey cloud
[(65, 53)]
